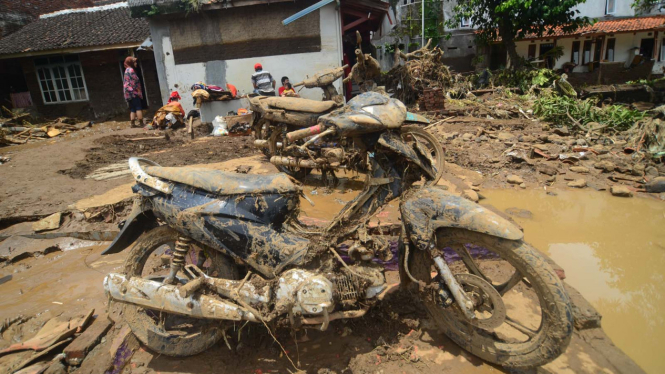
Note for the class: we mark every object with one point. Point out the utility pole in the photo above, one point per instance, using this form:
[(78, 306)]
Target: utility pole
[(422, 37)]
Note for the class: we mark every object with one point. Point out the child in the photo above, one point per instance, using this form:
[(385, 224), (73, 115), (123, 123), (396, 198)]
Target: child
[(289, 91)]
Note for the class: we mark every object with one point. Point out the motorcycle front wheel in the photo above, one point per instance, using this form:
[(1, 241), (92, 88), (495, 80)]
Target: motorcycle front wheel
[(523, 314), (166, 333)]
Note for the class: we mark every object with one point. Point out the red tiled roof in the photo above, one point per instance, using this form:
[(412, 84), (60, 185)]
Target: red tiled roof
[(610, 26)]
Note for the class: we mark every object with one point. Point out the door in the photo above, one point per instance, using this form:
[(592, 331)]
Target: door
[(544, 48), (646, 48)]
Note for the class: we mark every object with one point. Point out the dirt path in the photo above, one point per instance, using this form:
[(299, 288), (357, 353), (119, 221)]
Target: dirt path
[(48, 176)]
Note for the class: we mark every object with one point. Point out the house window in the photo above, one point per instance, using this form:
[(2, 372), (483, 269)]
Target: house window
[(61, 79), (586, 52), (610, 6), (609, 54), (575, 55), (532, 51), (465, 22)]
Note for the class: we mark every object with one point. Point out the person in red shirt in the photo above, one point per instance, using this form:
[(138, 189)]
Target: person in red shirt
[(174, 101), (285, 80)]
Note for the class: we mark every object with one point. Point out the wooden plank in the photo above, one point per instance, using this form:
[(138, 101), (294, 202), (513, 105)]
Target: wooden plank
[(80, 347), (355, 23)]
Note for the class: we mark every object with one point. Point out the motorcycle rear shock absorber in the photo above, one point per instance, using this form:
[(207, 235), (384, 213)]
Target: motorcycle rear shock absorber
[(182, 246)]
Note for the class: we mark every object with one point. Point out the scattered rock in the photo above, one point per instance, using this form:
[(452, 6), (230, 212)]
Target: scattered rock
[(541, 147), (527, 138), (51, 222), (505, 136), (579, 169), (495, 160), (548, 170), (656, 186), (578, 183), (651, 171), (522, 185), (638, 170), (522, 213), (544, 138), (605, 166), (561, 131), (471, 195), (514, 179), (450, 135), (551, 179), (621, 191), (600, 149), (467, 137), (545, 127), (580, 142)]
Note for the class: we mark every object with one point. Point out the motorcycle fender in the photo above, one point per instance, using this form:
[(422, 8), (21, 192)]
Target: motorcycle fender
[(416, 118), (395, 143), (432, 208), (139, 221)]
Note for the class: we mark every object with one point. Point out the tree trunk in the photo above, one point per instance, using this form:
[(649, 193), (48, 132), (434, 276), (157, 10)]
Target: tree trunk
[(511, 48)]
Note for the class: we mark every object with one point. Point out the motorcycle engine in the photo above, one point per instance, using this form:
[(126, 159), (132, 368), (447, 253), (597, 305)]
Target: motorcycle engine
[(305, 292)]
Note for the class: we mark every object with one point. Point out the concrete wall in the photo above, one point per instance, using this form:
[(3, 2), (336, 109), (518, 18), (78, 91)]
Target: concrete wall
[(626, 46), (103, 78), (238, 72)]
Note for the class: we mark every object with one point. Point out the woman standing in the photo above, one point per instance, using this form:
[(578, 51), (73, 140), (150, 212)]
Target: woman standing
[(133, 93)]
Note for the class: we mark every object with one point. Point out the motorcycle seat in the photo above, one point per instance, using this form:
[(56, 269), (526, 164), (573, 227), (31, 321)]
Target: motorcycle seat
[(300, 105), (224, 183)]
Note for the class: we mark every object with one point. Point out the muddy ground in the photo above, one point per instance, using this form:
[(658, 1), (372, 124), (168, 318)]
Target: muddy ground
[(64, 279)]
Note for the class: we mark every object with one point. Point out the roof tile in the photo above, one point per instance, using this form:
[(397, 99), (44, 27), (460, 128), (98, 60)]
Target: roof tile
[(77, 29)]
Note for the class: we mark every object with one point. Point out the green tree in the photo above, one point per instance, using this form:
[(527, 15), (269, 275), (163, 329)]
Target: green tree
[(512, 20), (646, 6)]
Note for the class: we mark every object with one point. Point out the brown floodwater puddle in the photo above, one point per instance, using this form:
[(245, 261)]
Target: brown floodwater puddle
[(613, 252)]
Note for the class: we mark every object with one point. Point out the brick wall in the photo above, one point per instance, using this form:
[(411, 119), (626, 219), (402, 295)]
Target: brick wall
[(103, 78)]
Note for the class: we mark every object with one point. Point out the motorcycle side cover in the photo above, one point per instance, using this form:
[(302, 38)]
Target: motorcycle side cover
[(431, 208)]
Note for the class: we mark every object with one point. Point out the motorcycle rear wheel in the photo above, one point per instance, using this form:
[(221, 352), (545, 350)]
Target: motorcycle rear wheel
[(166, 333), (525, 346)]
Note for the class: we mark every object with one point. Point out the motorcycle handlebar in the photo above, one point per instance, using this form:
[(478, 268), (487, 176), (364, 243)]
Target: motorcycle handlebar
[(303, 133)]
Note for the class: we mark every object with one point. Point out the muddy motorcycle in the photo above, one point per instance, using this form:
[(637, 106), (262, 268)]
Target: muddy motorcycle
[(213, 247), (274, 117)]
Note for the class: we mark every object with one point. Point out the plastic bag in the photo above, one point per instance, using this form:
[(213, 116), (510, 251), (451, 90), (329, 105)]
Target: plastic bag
[(219, 127)]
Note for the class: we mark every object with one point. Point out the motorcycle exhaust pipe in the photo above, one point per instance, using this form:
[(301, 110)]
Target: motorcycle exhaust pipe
[(262, 143), (294, 163), (304, 133), (158, 296)]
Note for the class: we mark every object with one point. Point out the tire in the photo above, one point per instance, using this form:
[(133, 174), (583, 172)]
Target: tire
[(297, 173), (556, 325), (151, 334), (434, 147)]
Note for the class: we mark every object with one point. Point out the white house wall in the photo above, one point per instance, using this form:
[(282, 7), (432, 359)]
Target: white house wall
[(239, 71), (625, 48)]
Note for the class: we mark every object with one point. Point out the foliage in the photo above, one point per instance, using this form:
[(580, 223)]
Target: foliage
[(511, 20), (646, 6), (192, 5), (410, 26), (648, 82), (524, 78), (555, 108), (389, 48), (154, 10)]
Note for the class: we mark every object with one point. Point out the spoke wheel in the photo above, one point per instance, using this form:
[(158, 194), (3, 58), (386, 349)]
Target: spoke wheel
[(430, 147), (165, 333), (276, 145), (529, 326)]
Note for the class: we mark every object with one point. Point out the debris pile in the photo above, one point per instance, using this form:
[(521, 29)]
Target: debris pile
[(422, 69), (16, 128)]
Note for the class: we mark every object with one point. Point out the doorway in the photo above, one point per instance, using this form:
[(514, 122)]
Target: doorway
[(646, 48)]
